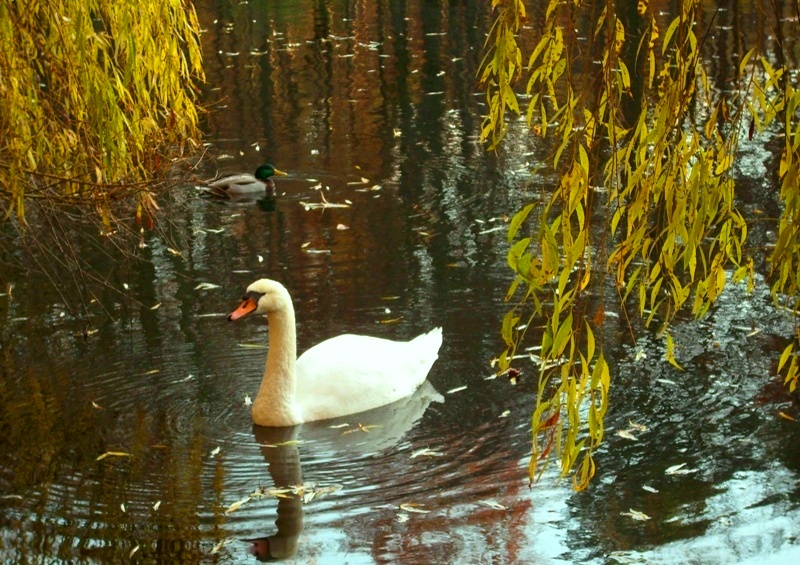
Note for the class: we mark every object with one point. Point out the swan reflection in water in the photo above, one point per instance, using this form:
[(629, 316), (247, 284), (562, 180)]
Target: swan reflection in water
[(279, 446)]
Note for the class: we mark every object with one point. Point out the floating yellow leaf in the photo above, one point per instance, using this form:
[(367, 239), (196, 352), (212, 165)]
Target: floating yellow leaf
[(426, 453), (238, 504), (492, 504), (113, 454), (636, 515), (414, 507), (679, 470)]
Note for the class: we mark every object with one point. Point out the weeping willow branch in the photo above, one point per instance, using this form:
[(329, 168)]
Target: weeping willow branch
[(628, 108), (96, 96)]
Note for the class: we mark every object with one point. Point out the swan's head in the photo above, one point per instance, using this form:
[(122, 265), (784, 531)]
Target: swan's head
[(262, 297)]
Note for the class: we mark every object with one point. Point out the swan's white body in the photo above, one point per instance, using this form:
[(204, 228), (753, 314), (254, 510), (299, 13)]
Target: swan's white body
[(340, 376)]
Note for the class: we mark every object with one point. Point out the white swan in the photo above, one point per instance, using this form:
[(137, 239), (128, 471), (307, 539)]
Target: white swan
[(340, 376)]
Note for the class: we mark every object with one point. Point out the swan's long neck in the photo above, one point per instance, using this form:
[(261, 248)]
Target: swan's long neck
[(275, 403)]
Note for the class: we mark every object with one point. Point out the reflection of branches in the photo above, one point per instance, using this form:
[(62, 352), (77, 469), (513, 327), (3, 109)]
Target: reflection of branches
[(77, 250)]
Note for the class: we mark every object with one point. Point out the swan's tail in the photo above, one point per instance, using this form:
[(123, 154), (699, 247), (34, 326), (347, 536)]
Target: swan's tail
[(428, 344)]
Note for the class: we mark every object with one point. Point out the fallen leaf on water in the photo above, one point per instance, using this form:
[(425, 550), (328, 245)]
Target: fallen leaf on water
[(337, 426), (134, 550), (96, 405), (457, 389), (636, 515), (505, 413), (493, 504), (260, 258), (667, 382), (342, 227), (324, 204), (426, 452), (157, 505), (174, 251), (638, 427), (627, 435), (152, 372), (648, 488), (392, 320), (679, 470), (251, 345), (361, 428), (786, 416), (247, 400), (236, 505), (206, 286), (113, 454), (122, 506), (402, 518), (222, 544), (155, 306), (413, 507), (215, 452)]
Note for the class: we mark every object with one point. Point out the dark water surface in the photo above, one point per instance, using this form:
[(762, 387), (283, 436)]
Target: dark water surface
[(374, 105)]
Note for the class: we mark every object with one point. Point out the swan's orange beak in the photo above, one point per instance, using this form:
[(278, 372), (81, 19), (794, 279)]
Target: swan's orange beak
[(248, 305)]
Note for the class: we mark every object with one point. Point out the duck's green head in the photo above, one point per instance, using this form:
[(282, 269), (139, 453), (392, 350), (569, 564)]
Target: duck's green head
[(266, 171)]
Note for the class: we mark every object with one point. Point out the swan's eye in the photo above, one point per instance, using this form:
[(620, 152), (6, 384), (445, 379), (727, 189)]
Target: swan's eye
[(245, 297)]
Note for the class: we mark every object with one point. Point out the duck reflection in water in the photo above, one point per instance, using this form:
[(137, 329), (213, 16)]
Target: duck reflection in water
[(279, 447)]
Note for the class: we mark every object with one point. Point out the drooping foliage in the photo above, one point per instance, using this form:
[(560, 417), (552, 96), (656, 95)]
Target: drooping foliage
[(96, 98), (644, 145)]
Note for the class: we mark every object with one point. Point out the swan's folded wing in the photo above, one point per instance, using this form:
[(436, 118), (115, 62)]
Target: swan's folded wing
[(352, 373)]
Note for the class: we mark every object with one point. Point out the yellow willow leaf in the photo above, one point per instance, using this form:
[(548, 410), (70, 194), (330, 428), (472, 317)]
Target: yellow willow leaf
[(671, 352), (517, 220), (745, 60), (619, 36), (785, 356), (563, 335), (667, 36), (589, 341)]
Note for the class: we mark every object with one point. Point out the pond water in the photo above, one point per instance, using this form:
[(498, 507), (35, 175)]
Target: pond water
[(372, 105)]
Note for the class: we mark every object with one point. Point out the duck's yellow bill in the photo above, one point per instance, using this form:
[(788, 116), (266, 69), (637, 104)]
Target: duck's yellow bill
[(279, 173)]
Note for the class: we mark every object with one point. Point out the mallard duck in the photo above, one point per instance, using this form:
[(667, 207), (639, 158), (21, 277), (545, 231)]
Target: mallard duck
[(234, 185), (343, 375)]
